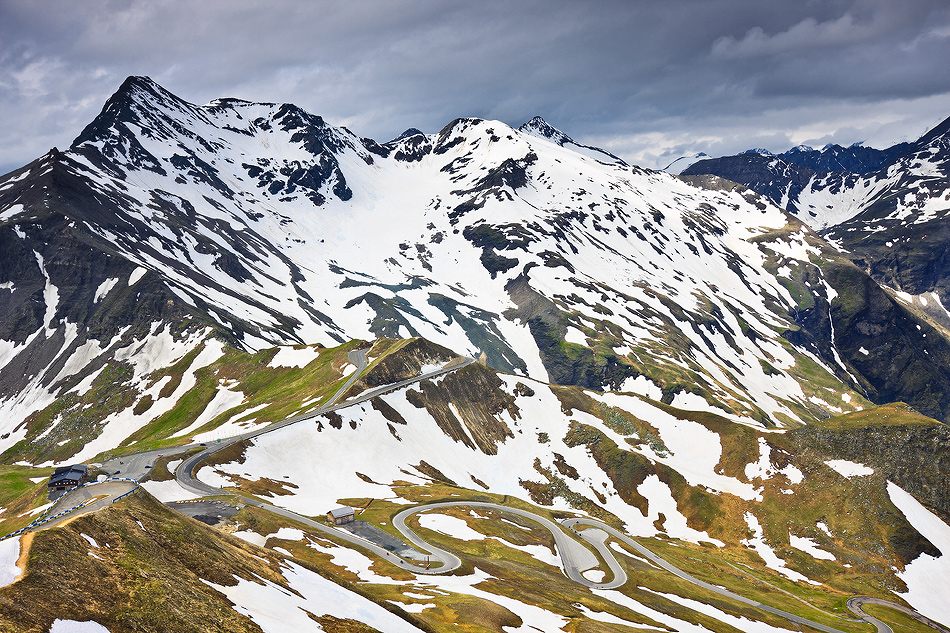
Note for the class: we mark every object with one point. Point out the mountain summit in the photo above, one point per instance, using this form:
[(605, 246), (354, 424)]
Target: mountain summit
[(261, 224), (540, 128), (190, 288)]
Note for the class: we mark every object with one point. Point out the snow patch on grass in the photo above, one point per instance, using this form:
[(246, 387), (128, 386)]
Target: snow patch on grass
[(757, 543), (575, 336), (167, 491), (849, 469), (695, 451), (223, 400), (810, 547), (293, 357), (594, 575), (450, 526), (277, 610), (741, 624), (92, 542), (412, 607), (662, 501)]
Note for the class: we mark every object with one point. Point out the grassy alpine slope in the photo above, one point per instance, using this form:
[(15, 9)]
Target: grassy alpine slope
[(768, 515)]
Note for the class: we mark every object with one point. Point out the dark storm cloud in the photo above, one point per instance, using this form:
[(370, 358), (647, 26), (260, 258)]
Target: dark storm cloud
[(649, 80)]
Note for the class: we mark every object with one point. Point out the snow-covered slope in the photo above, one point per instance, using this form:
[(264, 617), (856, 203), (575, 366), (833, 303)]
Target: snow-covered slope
[(265, 225), (886, 209), (782, 502), (828, 186), (539, 128)]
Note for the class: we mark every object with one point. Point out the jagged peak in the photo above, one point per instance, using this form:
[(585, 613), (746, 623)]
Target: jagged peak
[(407, 134), (143, 90), (538, 127), (136, 95), (757, 150), (801, 149)]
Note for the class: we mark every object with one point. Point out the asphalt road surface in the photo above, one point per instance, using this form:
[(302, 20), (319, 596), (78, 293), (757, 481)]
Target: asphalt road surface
[(575, 558), (137, 465), (855, 604), (83, 496)]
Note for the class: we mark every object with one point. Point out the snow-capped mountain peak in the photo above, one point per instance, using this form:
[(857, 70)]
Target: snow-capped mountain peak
[(757, 150), (683, 162), (540, 128), (270, 226)]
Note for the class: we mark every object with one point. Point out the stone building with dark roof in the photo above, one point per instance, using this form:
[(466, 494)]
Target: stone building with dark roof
[(339, 516), (67, 477)]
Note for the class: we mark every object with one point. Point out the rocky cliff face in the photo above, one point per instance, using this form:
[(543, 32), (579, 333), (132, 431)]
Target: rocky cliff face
[(897, 442)]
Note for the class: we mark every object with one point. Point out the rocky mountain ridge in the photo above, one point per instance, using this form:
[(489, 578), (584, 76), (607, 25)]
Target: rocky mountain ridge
[(247, 222), (886, 209), (677, 356)]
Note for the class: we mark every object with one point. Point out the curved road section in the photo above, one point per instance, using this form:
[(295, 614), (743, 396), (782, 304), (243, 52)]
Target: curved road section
[(575, 557), (855, 604), (185, 472)]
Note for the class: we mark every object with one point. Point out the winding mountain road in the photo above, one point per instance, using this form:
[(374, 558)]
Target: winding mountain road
[(574, 556), (573, 563), (855, 604), (126, 471)]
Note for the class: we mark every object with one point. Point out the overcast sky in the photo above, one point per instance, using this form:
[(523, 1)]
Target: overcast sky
[(647, 80)]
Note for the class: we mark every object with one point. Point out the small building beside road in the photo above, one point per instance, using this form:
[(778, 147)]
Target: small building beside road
[(67, 477), (339, 516)]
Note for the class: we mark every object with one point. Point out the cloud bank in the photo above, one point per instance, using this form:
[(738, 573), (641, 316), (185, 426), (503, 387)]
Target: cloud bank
[(647, 80)]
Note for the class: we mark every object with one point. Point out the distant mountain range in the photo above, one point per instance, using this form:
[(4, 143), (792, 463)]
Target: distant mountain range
[(887, 210)]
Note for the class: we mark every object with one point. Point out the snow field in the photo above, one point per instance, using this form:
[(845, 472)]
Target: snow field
[(810, 547), (293, 357), (662, 501), (695, 451), (450, 526), (223, 400), (398, 198), (156, 351), (9, 553), (927, 578), (767, 554), (324, 464), (673, 623), (742, 624), (277, 610), (166, 491)]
